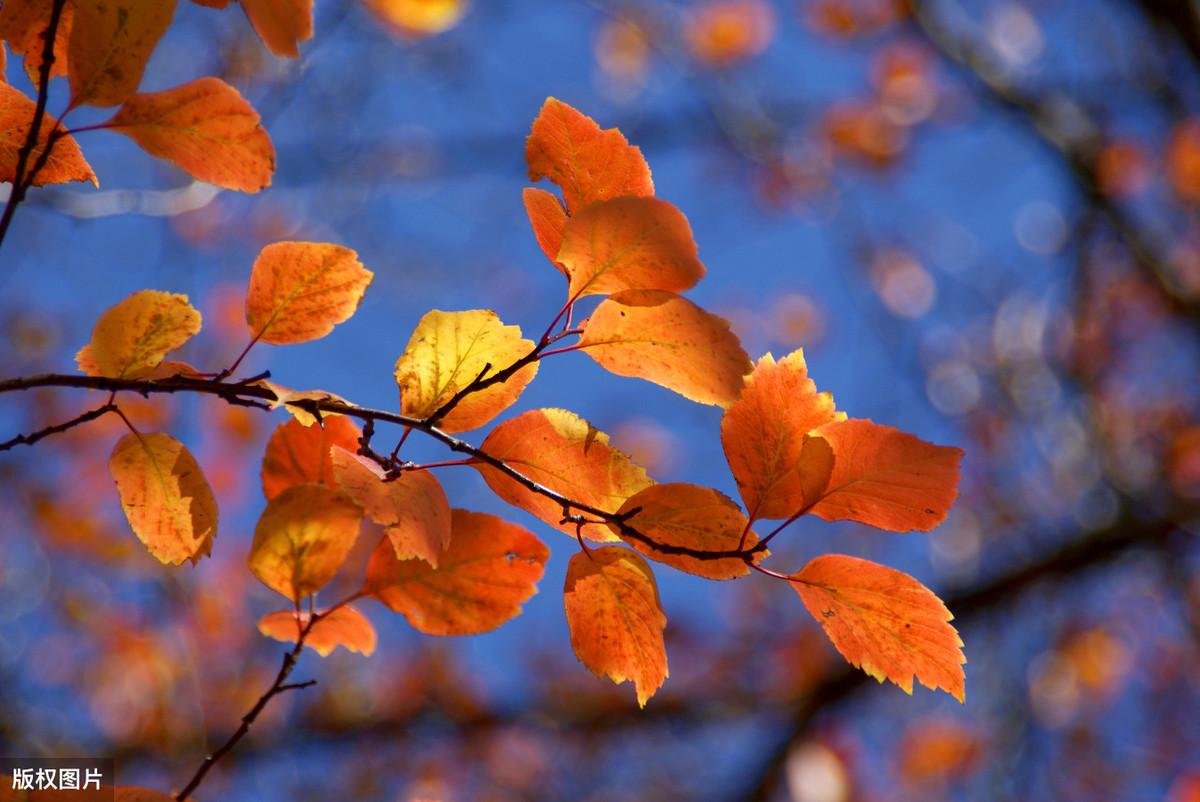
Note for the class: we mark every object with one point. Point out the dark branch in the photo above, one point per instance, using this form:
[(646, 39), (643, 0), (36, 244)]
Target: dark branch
[(33, 437)]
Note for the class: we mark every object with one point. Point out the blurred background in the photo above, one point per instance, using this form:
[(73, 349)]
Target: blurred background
[(977, 217)]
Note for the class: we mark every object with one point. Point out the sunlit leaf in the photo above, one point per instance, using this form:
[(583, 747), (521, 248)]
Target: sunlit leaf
[(298, 454), (111, 41), (491, 568), (448, 351), (165, 496), (131, 338), (680, 520), (300, 290), (412, 508), (563, 452), (548, 219), (345, 627), (206, 129), (588, 164), (881, 476), (24, 23), (616, 618), (417, 19), (666, 339), (883, 621), (65, 162), (629, 244), (763, 433), (302, 539), (281, 24)]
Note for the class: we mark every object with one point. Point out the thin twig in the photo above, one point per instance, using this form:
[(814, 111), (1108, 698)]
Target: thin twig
[(33, 437)]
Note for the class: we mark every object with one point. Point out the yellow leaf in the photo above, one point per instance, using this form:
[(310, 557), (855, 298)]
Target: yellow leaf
[(563, 452), (491, 568), (448, 351), (111, 41), (65, 162), (666, 339), (628, 244), (412, 508), (881, 476), (616, 618), (683, 519), (297, 454), (206, 129), (417, 19), (588, 164), (763, 433), (281, 24), (300, 290), (297, 402), (884, 621), (165, 496), (302, 539), (131, 338), (345, 627)]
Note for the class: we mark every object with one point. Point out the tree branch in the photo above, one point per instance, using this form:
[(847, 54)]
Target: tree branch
[(33, 437)]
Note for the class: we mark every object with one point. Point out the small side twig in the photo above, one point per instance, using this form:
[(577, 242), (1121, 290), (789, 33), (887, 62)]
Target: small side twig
[(33, 437)]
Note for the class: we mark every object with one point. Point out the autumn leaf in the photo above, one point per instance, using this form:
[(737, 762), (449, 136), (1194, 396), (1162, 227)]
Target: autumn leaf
[(165, 496), (450, 350), (881, 476), (763, 433), (548, 219), (417, 19), (588, 164), (563, 452), (616, 618), (884, 621), (298, 402), (65, 162), (281, 24), (628, 244), (24, 23), (111, 41), (300, 290), (666, 339), (204, 128), (298, 454), (491, 568), (302, 539), (131, 338), (412, 508), (344, 626), (669, 523)]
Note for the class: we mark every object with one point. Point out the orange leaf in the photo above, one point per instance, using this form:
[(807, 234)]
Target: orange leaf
[(297, 454), (547, 218), (681, 519), (417, 19), (629, 244), (65, 163), (281, 24), (204, 128), (616, 618), (481, 581), (345, 627), (763, 433), (24, 23), (302, 539), (165, 496), (448, 351), (300, 290), (587, 163), (666, 339), (131, 338), (412, 508), (111, 41), (563, 452), (883, 621), (881, 476), (721, 33)]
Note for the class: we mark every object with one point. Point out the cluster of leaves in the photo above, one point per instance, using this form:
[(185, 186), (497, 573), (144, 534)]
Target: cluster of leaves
[(456, 572)]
